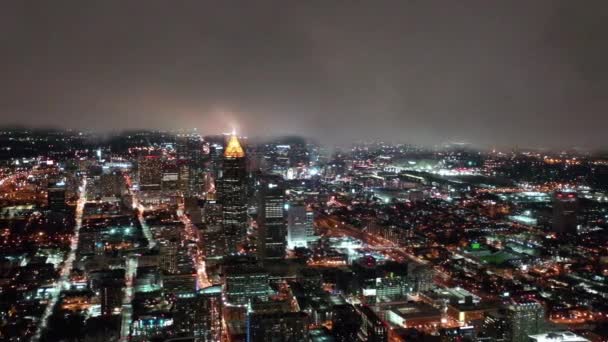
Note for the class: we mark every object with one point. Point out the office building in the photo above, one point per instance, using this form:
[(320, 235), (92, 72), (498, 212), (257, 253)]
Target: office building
[(373, 328), (198, 314), (170, 176), (168, 256), (110, 294), (245, 283), (56, 196), (190, 153), (232, 193), (345, 323), (277, 326), (272, 228), (150, 170), (561, 336), (565, 207), (112, 184), (300, 225), (525, 318)]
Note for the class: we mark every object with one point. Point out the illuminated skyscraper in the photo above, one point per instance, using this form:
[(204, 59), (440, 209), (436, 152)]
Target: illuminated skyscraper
[(565, 206), (373, 329), (277, 326), (190, 153), (272, 230), (245, 283), (150, 173), (232, 193), (300, 229), (198, 314), (525, 318), (56, 196)]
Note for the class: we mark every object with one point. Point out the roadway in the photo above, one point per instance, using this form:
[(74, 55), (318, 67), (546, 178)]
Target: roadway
[(127, 307), (191, 233), (384, 246), (142, 222), (63, 283)]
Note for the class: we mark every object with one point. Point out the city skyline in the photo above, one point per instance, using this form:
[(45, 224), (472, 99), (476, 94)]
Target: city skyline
[(303, 171), (500, 73), (157, 236)]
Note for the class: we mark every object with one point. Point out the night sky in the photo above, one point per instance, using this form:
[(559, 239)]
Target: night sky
[(493, 73)]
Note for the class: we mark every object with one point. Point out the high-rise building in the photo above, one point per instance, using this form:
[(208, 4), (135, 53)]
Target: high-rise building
[(56, 196), (525, 318), (110, 294), (345, 323), (565, 207), (277, 326), (190, 152), (193, 209), (495, 327), (272, 229), (112, 184), (150, 170), (216, 151), (215, 242), (198, 314), (168, 256), (232, 193), (373, 329), (245, 283), (170, 176), (300, 225), (183, 176)]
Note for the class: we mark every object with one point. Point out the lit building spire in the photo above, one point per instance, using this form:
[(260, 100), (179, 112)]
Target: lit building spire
[(234, 148)]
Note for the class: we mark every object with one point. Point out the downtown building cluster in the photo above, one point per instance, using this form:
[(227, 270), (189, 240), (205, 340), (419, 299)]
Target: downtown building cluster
[(159, 236)]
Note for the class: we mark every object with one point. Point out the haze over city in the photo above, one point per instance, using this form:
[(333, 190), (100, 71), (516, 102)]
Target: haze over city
[(499, 73), (303, 171)]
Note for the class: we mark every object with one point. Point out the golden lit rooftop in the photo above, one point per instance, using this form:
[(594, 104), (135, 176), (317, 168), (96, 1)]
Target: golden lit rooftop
[(234, 148)]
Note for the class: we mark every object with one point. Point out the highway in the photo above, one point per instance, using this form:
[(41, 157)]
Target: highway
[(63, 282), (127, 308), (386, 247)]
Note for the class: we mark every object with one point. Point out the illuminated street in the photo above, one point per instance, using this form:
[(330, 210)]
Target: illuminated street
[(370, 171), (127, 308), (64, 275)]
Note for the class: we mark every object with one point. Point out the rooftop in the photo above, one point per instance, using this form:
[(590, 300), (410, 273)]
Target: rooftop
[(234, 148)]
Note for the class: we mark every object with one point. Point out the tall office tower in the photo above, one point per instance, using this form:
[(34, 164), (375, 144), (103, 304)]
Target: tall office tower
[(198, 314), (112, 184), (495, 327), (272, 229), (232, 193), (191, 152), (372, 327), (345, 323), (244, 283), (300, 228), (277, 326), (216, 151), (110, 295), (421, 276), (150, 170), (565, 207), (56, 196), (183, 176), (170, 176), (168, 256), (525, 318)]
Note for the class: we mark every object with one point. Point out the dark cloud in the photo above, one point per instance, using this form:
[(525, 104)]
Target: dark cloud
[(490, 72)]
